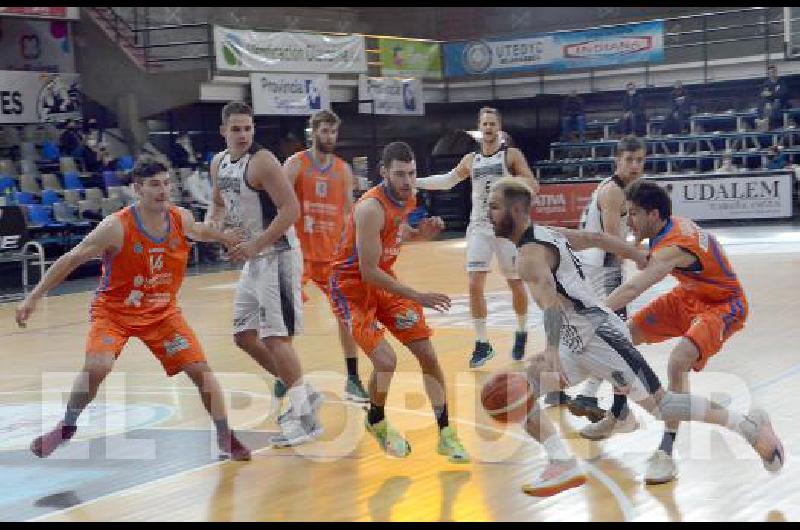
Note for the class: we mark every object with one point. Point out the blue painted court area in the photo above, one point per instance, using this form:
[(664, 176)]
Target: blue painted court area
[(85, 470)]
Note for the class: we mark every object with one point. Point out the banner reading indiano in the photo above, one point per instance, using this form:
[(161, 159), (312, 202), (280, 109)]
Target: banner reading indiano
[(288, 52)]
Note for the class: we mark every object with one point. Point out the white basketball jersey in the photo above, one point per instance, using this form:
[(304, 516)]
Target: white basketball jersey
[(592, 221), (246, 207), (569, 276), (486, 170)]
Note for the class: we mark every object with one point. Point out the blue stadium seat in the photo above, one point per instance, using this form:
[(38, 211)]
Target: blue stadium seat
[(72, 181), (50, 197), (24, 197), (50, 152), (110, 179), (125, 163), (7, 182), (41, 216)]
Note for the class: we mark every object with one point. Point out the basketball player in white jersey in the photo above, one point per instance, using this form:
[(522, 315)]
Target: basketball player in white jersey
[(607, 213), (486, 166), (253, 194), (585, 339)]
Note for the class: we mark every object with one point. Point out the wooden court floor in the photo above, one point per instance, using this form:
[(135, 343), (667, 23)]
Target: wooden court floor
[(344, 476)]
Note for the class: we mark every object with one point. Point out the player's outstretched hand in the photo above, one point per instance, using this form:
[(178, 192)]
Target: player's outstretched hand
[(438, 301), (25, 310), (429, 228)]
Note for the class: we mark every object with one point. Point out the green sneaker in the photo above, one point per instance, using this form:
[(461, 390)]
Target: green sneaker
[(389, 439), (279, 390), (354, 391), (450, 446)]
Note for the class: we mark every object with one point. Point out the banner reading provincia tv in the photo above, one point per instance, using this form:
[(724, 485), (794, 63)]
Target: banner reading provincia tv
[(631, 43), (289, 94), (288, 52), (392, 95), (405, 58), (34, 97)]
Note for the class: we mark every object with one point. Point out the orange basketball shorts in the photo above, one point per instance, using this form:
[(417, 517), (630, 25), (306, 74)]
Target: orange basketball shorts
[(678, 314)]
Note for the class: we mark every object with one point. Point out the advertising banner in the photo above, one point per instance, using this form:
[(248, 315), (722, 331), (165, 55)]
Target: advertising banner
[(33, 97), (36, 45), (561, 204), (746, 196), (288, 52), (405, 58), (71, 13), (631, 43), (392, 95), (290, 94)]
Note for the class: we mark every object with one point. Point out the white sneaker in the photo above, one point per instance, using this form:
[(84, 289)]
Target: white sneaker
[(608, 426), (759, 432), (297, 431), (660, 468), (316, 399), (558, 476)]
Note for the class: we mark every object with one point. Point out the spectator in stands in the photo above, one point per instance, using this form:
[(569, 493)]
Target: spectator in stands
[(572, 117), (727, 165), (71, 141), (776, 159), (679, 115), (181, 153), (774, 98), (633, 116)]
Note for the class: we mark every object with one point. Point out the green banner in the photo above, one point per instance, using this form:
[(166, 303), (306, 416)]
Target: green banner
[(410, 58)]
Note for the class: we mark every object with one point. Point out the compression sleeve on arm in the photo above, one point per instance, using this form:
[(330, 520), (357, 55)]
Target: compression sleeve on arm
[(438, 182)]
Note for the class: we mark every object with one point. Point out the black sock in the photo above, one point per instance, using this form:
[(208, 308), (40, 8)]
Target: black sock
[(375, 414), (441, 416), (667, 441), (352, 367), (620, 407), (71, 417), (222, 426)]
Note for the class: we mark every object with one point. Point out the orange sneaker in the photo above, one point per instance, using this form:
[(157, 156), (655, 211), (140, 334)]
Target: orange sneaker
[(558, 476)]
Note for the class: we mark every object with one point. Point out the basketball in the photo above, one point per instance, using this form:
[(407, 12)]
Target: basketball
[(507, 397)]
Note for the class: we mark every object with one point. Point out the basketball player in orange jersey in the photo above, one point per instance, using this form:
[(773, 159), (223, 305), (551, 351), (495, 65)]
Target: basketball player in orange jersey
[(145, 251), (706, 307), (252, 194), (587, 339), (365, 293), (323, 183), (492, 161)]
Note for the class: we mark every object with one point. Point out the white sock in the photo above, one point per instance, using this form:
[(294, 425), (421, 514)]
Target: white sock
[(555, 448), (298, 398), (522, 322), (480, 329), (591, 387), (737, 423)]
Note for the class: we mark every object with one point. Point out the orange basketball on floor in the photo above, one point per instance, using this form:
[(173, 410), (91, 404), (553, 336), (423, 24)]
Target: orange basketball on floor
[(507, 397)]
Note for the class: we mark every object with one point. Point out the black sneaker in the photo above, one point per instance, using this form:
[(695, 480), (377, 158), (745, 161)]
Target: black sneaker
[(556, 398), (586, 406), (482, 353), (520, 339)]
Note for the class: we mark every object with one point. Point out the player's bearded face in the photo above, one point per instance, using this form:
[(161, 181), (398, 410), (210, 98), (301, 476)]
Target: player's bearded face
[(401, 177), (502, 220), (325, 138)]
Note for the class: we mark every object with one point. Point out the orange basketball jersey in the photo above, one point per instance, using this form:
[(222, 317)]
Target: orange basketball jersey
[(321, 193), (713, 279), (346, 262), (140, 283)]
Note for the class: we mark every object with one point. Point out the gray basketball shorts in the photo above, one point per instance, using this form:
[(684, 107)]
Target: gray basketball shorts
[(268, 296)]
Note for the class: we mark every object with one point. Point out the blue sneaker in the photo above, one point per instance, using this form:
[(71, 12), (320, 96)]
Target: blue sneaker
[(520, 340), (279, 390), (482, 353)]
